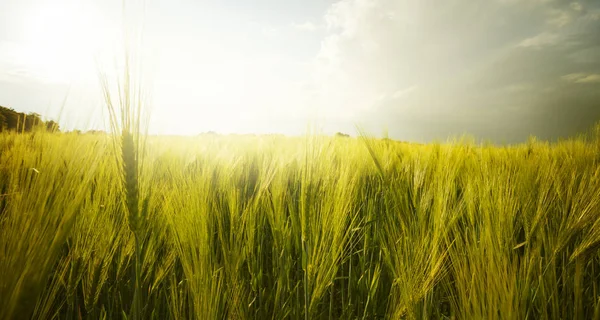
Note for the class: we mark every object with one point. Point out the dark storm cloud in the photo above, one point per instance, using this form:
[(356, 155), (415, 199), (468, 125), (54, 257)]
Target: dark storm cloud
[(498, 70)]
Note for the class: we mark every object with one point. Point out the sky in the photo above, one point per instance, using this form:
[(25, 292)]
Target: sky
[(419, 70)]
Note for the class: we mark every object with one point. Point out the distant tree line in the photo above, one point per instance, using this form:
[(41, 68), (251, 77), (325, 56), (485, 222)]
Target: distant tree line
[(11, 120)]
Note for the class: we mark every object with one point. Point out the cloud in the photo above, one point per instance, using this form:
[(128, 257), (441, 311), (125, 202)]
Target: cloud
[(560, 17), (582, 77), (270, 31), (403, 92), (541, 40), (576, 6), (12, 64), (306, 26), (468, 61)]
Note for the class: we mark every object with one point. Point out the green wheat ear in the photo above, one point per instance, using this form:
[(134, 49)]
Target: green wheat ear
[(125, 118), (130, 171)]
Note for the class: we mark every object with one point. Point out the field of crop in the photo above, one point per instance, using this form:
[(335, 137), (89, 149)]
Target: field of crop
[(219, 227)]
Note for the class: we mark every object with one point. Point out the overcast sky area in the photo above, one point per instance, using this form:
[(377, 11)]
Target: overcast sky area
[(423, 70)]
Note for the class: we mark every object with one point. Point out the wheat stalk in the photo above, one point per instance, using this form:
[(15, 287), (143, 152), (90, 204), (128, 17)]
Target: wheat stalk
[(125, 122)]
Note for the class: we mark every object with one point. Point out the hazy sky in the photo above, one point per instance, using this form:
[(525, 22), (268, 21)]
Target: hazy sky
[(422, 69)]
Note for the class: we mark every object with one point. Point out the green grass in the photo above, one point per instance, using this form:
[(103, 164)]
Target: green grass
[(298, 228)]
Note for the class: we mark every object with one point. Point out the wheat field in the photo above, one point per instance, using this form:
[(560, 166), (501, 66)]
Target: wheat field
[(269, 227)]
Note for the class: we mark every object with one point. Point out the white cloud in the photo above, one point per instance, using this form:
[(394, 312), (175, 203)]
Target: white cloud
[(306, 26), (449, 61), (576, 6), (13, 62), (559, 17), (582, 77), (403, 92), (270, 31), (380, 46), (396, 95), (541, 40)]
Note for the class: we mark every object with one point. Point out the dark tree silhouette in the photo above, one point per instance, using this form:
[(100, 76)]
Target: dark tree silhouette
[(52, 126), (11, 120)]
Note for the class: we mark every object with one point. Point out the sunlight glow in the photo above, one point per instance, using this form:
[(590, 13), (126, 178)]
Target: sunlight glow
[(61, 39), (230, 82), (217, 90)]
